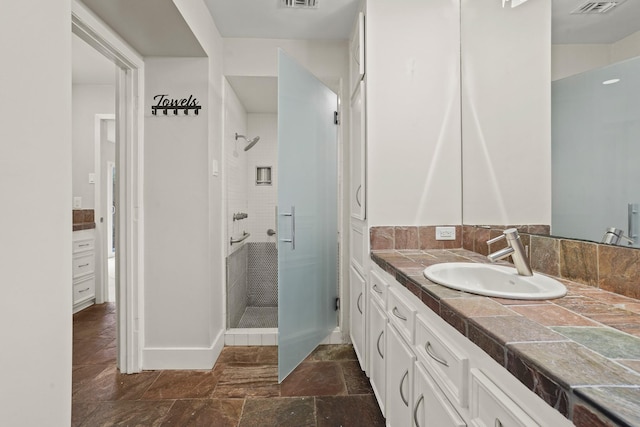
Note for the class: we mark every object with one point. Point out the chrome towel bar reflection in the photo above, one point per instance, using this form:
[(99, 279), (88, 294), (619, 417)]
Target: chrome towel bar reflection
[(245, 235)]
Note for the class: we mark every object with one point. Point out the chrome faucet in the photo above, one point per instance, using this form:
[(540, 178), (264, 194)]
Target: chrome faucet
[(515, 249)]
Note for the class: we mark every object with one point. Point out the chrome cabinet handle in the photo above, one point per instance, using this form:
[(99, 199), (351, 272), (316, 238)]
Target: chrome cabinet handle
[(83, 245), (397, 314), (497, 423), (415, 410), (83, 265), (358, 196), (375, 288), (292, 240), (358, 303), (440, 360), (378, 344), (404, 399), (84, 290)]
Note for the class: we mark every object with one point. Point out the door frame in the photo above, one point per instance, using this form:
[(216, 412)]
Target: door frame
[(130, 197)]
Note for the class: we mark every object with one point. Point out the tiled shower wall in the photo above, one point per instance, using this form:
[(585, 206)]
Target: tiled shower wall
[(262, 274), (611, 268), (252, 279)]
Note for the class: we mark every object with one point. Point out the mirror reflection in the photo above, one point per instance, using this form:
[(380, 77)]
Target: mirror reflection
[(596, 154)]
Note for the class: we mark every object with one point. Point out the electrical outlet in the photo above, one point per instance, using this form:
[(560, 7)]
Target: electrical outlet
[(77, 202), (445, 233)]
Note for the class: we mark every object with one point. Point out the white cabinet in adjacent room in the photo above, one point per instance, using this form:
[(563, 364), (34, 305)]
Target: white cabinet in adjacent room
[(83, 261)]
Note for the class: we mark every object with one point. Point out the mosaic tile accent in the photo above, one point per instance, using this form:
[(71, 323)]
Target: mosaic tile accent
[(262, 274)]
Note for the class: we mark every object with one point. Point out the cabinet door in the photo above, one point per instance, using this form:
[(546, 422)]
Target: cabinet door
[(430, 406), (377, 351), (357, 316), (356, 53), (399, 382), (358, 153)]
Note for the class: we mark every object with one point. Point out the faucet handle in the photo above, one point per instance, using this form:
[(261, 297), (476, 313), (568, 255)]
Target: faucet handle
[(496, 239)]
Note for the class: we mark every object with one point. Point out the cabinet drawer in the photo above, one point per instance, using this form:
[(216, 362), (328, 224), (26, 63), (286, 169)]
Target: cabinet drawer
[(378, 289), (83, 245), (84, 289), (448, 363), (490, 406), (402, 314), (83, 264)]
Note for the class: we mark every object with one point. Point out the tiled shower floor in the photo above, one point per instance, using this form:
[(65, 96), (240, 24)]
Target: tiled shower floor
[(327, 389), (259, 317)]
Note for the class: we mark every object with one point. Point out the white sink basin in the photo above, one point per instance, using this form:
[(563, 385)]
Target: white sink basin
[(494, 281)]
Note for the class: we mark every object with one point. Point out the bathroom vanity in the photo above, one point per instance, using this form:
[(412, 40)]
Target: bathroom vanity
[(438, 356)]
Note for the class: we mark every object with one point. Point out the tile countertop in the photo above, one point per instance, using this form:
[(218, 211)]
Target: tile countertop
[(577, 353)]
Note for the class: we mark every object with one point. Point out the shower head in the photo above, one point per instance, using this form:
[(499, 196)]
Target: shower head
[(251, 142)]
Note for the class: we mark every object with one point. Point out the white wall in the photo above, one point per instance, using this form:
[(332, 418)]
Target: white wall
[(235, 170), (199, 19), (413, 112), (262, 198), (506, 130), (88, 100), (627, 48), (35, 188), (327, 60), (177, 259), (570, 59)]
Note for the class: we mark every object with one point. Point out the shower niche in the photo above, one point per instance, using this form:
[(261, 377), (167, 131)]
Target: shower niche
[(250, 146)]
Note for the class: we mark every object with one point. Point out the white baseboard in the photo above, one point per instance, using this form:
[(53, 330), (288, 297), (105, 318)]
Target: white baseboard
[(183, 357), (334, 338)]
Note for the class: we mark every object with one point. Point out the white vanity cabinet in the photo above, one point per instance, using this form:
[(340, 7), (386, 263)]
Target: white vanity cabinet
[(377, 351), (399, 381), (434, 376), (430, 406), (357, 299), (83, 264)]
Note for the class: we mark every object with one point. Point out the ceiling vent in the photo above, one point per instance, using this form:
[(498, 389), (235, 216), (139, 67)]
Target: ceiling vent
[(593, 7), (305, 4)]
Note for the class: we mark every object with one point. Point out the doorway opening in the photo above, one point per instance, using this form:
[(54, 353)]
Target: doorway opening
[(126, 187)]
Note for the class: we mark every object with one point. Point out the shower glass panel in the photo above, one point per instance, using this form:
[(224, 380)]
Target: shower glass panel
[(307, 213)]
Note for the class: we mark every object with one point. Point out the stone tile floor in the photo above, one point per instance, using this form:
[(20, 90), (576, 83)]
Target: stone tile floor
[(327, 389)]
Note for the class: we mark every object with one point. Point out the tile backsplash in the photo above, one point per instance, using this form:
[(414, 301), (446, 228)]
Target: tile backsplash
[(611, 268)]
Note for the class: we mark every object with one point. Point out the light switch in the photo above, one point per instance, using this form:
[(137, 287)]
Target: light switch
[(92, 178), (77, 202)]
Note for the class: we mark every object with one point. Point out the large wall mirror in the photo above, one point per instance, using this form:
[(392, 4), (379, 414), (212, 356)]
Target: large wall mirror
[(595, 110)]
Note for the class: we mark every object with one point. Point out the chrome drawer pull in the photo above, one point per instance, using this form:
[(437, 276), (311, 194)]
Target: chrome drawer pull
[(84, 290), (376, 290), (440, 360), (404, 399), (83, 265), (498, 423), (415, 410), (86, 244), (378, 344), (358, 303), (398, 315), (358, 195)]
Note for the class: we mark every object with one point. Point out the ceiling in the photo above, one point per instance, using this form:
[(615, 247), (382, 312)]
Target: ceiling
[(144, 23), (331, 20), (151, 27), (606, 28)]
